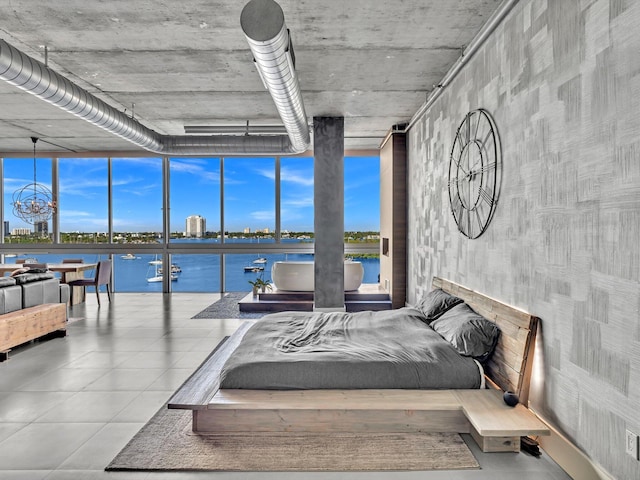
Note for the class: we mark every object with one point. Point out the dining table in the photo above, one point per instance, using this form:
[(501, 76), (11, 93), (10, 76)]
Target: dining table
[(68, 272)]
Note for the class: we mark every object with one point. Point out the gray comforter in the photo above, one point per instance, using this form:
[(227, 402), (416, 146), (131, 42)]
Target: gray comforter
[(387, 349)]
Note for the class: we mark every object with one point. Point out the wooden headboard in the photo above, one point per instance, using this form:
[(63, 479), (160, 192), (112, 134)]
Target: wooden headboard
[(512, 361)]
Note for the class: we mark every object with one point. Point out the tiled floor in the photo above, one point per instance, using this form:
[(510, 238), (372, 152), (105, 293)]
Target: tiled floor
[(67, 406)]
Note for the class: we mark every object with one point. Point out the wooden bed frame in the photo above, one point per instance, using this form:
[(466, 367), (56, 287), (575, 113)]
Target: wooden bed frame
[(482, 413)]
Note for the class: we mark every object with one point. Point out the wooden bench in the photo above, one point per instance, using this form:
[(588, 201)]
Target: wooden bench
[(495, 426), (30, 323)]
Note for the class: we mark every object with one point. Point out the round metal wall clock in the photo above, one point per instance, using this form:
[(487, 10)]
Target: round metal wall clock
[(474, 173)]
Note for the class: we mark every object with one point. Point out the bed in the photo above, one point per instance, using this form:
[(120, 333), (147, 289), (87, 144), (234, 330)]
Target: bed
[(388, 349), (290, 400)]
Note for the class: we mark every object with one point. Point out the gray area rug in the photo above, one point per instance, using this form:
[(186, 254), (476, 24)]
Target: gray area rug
[(167, 443), (227, 307)]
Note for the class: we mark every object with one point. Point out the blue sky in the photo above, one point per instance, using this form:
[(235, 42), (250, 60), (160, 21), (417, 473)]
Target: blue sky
[(249, 190)]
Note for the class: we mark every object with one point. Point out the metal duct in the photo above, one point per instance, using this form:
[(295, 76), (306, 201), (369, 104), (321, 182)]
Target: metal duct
[(33, 76), (270, 41)]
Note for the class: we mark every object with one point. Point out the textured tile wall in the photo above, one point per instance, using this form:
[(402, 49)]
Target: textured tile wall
[(562, 81)]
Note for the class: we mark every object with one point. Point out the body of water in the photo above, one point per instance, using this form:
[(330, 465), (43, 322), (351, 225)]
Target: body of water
[(199, 272)]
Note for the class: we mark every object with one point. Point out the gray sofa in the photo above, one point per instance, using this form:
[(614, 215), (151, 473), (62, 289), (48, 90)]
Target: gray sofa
[(32, 305), (31, 289)]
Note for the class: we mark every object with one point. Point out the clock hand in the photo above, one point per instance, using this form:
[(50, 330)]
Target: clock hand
[(483, 168), (475, 164)]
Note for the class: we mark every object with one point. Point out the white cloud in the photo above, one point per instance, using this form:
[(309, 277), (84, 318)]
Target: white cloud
[(154, 163), (74, 214), (11, 185), (298, 202), (269, 173), (264, 215), (196, 167), (298, 177), (289, 175)]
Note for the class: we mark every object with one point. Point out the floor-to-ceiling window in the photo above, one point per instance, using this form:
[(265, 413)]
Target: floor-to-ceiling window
[(362, 213), (137, 219), (194, 192), (249, 217), (83, 200), (136, 185), (20, 174), (249, 198), (296, 207), (296, 198), (215, 223)]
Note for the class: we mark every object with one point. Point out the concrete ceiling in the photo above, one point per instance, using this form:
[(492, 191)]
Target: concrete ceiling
[(188, 63)]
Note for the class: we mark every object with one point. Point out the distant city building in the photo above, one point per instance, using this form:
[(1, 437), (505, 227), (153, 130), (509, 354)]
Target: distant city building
[(247, 230), (21, 231), (265, 230), (6, 227), (41, 229), (196, 226)]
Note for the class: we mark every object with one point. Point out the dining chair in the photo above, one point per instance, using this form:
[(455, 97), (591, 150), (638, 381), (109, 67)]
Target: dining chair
[(102, 277), (72, 260)]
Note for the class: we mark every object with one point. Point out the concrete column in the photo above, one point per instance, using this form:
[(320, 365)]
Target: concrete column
[(328, 167)]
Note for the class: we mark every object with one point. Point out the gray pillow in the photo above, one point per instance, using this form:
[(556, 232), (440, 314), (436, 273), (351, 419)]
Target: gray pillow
[(435, 303), (471, 334), (32, 277), (7, 281)]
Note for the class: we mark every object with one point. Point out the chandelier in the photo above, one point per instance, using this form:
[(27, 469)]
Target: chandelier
[(34, 202)]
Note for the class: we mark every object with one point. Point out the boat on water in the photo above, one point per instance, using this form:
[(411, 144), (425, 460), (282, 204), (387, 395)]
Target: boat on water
[(128, 256), (253, 268), (260, 260), (157, 276), (155, 261), (174, 269)]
